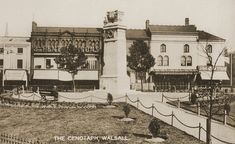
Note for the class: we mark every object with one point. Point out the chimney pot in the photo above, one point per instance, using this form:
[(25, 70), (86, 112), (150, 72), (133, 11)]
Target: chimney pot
[(186, 21)]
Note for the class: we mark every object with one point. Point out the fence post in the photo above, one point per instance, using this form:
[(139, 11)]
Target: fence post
[(225, 117), (152, 108), (126, 98), (23, 88), (178, 103), (162, 97), (198, 108), (199, 133), (38, 90), (138, 102), (172, 118)]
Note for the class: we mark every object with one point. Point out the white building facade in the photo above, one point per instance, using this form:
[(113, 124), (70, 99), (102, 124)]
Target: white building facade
[(182, 56), (15, 60)]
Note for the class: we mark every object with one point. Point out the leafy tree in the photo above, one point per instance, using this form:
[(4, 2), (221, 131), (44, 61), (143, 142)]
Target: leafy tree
[(71, 59), (140, 59)]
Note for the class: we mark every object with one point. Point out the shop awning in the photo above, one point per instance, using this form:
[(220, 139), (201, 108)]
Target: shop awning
[(65, 76), (19, 75), (218, 75), (174, 71), (87, 75), (45, 74)]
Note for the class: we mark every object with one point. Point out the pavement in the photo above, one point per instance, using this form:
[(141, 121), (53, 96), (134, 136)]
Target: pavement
[(219, 130)]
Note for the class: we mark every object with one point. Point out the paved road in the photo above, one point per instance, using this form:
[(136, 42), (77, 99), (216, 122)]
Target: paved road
[(219, 130)]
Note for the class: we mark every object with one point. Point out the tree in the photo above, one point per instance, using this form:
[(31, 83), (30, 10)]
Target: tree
[(212, 100), (140, 59), (71, 59)]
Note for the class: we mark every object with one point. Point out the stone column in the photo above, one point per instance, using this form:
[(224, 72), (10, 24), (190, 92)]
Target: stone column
[(114, 78)]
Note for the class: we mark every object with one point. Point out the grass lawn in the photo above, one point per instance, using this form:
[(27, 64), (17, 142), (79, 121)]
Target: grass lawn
[(44, 124)]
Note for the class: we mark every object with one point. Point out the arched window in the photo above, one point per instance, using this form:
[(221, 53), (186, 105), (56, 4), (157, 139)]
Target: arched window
[(159, 60), (189, 61), (163, 48), (166, 61), (186, 48), (209, 48), (209, 61), (183, 61)]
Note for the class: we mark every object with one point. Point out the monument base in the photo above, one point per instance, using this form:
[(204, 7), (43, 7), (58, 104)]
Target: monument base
[(115, 84)]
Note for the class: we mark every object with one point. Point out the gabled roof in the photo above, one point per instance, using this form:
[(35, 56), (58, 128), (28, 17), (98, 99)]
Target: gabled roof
[(207, 36), (172, 28), (136, 34)]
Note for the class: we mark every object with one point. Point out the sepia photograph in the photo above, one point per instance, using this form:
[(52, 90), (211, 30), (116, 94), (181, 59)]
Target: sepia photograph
[(117, 72)]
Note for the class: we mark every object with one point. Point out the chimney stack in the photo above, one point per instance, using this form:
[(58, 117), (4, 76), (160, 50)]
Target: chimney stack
[(186, 21), (146, 24)]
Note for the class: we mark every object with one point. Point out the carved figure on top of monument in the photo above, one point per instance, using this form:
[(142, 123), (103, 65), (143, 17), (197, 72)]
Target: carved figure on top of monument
[(113, 16)]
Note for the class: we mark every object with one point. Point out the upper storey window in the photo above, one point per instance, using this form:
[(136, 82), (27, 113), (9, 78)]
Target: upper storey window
[(166, 61), (186, 48), (160, 60), (19, 50), (163, 48), (209, 48)]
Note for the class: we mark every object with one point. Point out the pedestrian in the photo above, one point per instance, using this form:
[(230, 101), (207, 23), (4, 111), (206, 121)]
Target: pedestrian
[(227, 107)]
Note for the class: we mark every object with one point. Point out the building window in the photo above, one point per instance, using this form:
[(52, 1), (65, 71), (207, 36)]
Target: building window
[(166, 61), (20, 50), (19, 63), (1, 63), (38, 66), (189, 61), (1, 50), (159, 60), (209, 61), (186, 48), (209, 48), (183, 61), (163, 48), (48, 63), (186, 61)]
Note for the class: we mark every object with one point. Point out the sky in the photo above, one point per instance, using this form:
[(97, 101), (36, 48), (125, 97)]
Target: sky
[(214, 16)]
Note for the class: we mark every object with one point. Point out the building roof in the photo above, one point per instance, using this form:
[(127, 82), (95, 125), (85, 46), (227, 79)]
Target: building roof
[(68, 29), (172, 28), (90, 30), (13, 39), (136, 34), (207, 36), (183, 29)]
